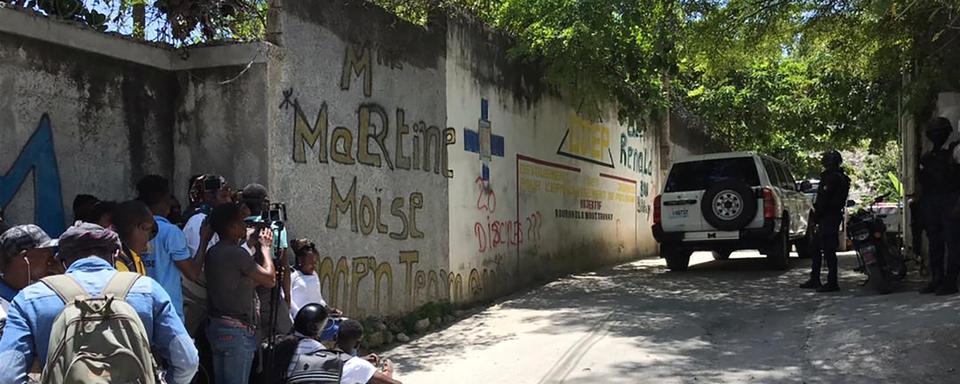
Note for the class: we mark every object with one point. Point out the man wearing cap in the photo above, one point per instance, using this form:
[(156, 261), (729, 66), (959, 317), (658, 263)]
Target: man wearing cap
[(88, 250), (26, 256)]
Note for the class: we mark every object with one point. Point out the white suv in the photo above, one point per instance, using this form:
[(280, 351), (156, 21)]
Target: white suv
[(731, 201)]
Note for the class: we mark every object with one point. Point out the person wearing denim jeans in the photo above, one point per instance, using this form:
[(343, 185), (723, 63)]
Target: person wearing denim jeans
[(232, 277), (233, 345)]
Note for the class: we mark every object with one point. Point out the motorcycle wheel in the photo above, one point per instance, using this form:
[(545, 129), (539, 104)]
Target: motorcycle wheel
[(878, 282)]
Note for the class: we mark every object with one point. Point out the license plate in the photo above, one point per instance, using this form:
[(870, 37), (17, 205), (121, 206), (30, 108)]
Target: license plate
[(869, 254), (680, 213)]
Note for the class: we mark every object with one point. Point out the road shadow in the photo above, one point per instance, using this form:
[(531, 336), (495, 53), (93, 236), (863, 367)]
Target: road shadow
[(727, 321)]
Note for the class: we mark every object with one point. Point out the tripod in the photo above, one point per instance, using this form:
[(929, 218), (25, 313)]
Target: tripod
[(269, 354)]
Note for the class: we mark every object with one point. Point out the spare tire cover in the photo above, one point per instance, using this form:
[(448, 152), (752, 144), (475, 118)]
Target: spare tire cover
[(729, 205)]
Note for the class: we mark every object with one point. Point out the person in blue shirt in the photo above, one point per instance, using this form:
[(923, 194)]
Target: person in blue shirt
[(87, 251), (26, 256), (168, 255)]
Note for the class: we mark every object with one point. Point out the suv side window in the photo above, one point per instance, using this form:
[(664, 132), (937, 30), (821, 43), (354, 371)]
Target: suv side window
[(772, 173), (789, 182), (785, 182)]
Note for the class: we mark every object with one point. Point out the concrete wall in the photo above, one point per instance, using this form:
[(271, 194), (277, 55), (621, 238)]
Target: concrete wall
[(81, 112), (359, 152), (75, 122), (538, 189), (425, 164)]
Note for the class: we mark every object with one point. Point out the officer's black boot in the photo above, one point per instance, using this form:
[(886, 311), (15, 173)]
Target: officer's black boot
[(811, 284)]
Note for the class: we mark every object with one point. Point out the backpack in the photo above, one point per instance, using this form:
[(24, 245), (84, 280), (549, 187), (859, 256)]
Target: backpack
[(323, 366), (98, 339)]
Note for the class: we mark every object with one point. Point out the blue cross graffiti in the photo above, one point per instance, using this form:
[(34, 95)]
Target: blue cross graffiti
[(483, 141)]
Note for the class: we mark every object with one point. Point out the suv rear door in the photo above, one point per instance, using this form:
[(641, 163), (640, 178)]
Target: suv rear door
[(782, 180), (689, 180)]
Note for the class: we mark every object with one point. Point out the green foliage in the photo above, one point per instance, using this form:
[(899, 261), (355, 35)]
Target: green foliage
[(786, 77), (878, 174), (431, 310), (593, 51), (176, 21), (215, 19)]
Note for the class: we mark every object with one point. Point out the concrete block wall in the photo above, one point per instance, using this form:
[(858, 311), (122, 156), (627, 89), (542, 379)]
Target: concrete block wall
[(74, 122), (425, 165)]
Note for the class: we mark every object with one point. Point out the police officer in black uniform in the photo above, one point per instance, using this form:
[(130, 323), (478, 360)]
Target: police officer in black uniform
[(828, 216), (939, 179)]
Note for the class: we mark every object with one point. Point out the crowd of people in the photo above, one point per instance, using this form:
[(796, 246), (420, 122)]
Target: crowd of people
[(105, 302)]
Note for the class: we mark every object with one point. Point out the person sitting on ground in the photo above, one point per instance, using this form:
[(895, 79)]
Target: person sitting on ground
[(133, 222), (305, 286), (232, 277), (88, 251), (311, 360), (26, 256)]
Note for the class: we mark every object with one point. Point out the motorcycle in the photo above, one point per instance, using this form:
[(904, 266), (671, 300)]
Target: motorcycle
[(878, 257)]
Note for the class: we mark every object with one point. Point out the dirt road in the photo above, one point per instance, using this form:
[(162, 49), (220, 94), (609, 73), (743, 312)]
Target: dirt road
[(720, 322)]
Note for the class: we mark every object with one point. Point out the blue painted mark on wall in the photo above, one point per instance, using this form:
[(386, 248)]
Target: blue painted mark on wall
[(38, 156), (474, 141)]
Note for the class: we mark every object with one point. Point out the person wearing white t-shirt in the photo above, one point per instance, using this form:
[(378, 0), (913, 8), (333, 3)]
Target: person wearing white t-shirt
[(305, 285)]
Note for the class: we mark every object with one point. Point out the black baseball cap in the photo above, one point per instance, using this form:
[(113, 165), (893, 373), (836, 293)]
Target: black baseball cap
[(24, 237)]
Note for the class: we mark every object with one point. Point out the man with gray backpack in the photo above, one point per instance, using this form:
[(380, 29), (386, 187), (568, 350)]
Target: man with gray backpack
[(94, 324)]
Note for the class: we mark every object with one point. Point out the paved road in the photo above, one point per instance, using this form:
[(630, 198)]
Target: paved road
[(720, 322)]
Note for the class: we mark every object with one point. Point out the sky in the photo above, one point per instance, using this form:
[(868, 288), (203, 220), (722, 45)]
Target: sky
[(155, 21)]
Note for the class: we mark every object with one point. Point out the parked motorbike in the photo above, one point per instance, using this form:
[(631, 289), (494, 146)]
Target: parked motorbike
[(879, 259)]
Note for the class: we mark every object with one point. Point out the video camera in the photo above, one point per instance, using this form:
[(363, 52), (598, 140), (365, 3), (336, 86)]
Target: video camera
[(271, 215)]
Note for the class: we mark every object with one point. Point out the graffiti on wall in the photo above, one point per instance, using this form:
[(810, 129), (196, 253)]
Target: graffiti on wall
[(587, 141), (387, 139), (593, 193), (493, 234), (483, 141), (365, 216), (39, 158), (637, 155), (427, 151), (342, 280), (576, 197)]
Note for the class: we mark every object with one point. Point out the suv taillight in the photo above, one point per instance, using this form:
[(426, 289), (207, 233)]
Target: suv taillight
[(769, 204), (657, 213)]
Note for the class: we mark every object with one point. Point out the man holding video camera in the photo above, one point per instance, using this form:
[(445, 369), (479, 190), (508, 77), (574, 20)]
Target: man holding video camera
[(263, 214)]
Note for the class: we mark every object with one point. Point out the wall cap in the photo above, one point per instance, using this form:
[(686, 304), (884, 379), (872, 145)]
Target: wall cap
[(26, 24)]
